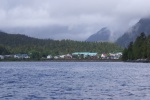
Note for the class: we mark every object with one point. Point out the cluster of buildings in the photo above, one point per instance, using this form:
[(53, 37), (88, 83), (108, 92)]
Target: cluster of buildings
[(111, 55), (16, 56), (75, 55), (87, 55)]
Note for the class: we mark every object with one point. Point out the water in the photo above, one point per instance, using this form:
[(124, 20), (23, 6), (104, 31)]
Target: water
[(74, 81)]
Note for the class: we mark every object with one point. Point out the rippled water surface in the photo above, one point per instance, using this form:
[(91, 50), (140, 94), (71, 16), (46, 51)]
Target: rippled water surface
[(74, 81)]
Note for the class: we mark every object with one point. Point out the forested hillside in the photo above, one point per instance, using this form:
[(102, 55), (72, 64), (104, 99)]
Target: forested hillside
[(16, 43), (140, 49)]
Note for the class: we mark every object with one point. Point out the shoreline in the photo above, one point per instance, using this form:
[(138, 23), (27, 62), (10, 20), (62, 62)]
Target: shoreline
[(64, 60), (78, 60), (134, 61)]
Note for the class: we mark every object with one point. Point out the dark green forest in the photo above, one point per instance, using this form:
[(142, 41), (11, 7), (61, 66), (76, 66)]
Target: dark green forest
[(17, 43), (139, 49), (3, 50)]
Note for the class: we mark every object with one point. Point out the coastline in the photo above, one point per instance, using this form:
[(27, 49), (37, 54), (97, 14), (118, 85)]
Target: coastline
[(77, 60), (65, 60), (138, 61)]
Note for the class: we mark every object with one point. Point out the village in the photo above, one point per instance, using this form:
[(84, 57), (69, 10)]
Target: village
[(75, 55)]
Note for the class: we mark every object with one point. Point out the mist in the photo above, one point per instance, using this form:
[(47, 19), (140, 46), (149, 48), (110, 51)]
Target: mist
[(70, 19)]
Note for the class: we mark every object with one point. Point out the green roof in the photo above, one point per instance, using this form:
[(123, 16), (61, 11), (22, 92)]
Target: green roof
[(85, 53)]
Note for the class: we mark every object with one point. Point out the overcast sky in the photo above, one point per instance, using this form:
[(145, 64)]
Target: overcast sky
[(70, 19)]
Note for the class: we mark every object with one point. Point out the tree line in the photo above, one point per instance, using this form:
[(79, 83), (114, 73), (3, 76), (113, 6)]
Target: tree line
[(16, 43), (3, 50), (139, 49)]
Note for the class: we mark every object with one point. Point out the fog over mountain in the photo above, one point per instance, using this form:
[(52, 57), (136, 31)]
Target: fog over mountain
[(101, 36), (104, 35), (70, 19), (130, 35)]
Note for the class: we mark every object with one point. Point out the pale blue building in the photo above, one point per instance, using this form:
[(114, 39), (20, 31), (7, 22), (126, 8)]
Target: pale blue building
[(85, 54)]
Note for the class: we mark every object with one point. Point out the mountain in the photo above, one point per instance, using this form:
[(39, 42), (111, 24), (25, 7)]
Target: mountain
[(17, 43), (15, 40), (129, 36), (101, 36)]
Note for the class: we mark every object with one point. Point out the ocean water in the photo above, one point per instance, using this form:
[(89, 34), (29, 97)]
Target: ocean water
[(74, 81)]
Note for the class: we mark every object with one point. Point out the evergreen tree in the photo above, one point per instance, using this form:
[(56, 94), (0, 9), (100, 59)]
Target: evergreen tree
[(148, 47), (125, 55), (130, 51), (23, 44), (3, 50), (140, 49)]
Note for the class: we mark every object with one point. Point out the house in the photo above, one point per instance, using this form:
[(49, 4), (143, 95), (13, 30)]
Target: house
[(49, 57), (62, 56), (92, 55), (21, 56), (26, 56), (85, 54), (104, 56), (112, 54), (1, 57), (17, 56), (56, 57), (68, 56), (8, 56), (115, 55), (119, 55)]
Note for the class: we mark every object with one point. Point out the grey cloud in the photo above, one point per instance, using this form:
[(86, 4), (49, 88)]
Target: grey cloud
[(72, 19)]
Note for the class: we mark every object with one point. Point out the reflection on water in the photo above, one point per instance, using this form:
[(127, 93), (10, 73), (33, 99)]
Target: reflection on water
[(74, 81)]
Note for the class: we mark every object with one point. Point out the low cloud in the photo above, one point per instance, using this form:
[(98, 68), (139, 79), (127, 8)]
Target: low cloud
[(70, 19)]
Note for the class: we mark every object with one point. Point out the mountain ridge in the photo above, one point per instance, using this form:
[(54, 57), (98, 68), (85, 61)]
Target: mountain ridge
[(18, 43), (102, 35), (143, 25)]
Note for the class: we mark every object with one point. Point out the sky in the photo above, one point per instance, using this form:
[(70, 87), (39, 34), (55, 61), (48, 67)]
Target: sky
[(70, 19)]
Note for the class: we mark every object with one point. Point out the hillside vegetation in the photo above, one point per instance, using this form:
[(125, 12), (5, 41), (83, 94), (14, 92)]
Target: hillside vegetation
[(16, 43), (140, 49)]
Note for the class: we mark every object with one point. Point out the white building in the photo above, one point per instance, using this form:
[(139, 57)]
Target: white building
[(103, 56), (115, 55), (68, 56), (62, 56), (49, 57), (56, 57), (21, 56), (86, 54), (1, 57)]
